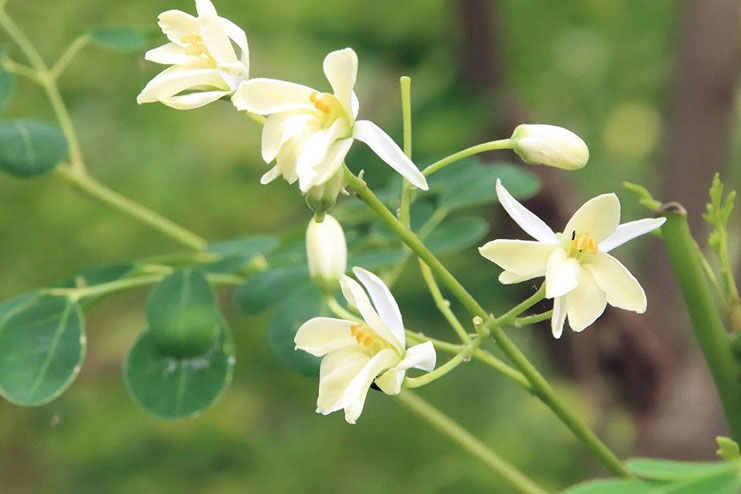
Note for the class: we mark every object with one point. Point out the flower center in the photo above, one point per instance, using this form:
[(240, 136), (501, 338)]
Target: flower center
[(328, 105), (583, 242), (368, 338), (195, 46)]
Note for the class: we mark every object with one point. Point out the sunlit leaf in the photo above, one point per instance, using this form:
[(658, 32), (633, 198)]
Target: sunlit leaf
[(29, 148), (119, 38), (611, 486), (668, 470), (457, 234)]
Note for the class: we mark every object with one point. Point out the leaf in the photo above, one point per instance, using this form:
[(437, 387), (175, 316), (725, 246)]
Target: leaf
[(727, 448), (457, 234), (375, 259), (42, 345), (266, 289), (611, 486), (722, 483), (119, 38), (172, 388), (98, 275), (289, 316), (643, 195), (29, 148), (183, 317), (238, 253), (7, 84), (669, 470)]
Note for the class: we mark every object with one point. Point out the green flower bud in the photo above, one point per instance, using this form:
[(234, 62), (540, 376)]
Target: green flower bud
[(321, 198), (549, 145), (326, 252)]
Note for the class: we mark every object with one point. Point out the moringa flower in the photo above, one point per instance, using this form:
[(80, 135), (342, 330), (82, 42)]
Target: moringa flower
[(205, 66), (357, 354), (549, 145), (326, 252), (309, 133), (580, 275)]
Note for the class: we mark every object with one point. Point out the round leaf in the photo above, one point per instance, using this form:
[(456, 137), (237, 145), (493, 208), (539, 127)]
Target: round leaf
[(121, 39), (29, 148), (457, 234), (289, 316), (42, 345), (266, 289), (172, 388)]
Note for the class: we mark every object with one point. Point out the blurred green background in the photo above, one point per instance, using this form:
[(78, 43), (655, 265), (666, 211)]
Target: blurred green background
[(610, 71)]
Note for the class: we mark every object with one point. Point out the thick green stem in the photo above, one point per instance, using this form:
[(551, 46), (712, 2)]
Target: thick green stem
[(709, 329), (479, 148), (468, 441), (406, 117)]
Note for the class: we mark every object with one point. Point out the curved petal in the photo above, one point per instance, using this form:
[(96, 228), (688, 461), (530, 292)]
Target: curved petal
[(266, 96), (561, 274), (173, 80), (559, 316), (313, 154), (287, 156), (355, 105), (420, 356), (270, 175), (237, 35), (353, 398), (334, 159), (279, 128), (169, 54), (620, 286), (176, 24), (530, 224), (213, 33), (525, 258), (193, 100), (383, 301), (585, 303), (321, 335), (337, 371), (388, 151), (629, 231), (510, 278), (598, 218), (356, 297), (341, 69)]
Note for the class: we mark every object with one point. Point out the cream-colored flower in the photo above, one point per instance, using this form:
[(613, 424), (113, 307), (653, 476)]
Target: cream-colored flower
[(549, 145), (309, 133), (358, 354), (205, 65), (326, 252), (580, 275)]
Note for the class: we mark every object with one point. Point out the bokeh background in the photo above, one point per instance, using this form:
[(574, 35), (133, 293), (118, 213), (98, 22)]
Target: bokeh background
[(650, 86)]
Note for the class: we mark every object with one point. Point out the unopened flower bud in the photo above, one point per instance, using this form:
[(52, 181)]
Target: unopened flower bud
[(549, 145), (321, 198), (326, 252)]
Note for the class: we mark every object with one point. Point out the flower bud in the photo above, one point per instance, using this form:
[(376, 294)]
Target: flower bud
[(549, 145), (321, 198), (326, 252)]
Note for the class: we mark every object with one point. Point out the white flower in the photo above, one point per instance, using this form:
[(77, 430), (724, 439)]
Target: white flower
[(356, 354), (309, 133), (326, 252), (549, 145), (205, 66), (579, 273)]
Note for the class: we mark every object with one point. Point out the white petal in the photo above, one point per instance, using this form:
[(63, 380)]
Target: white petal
[(388, 151), (355, 105), (530, 224), (321, 335), (510, 278), (585, 303), (620, 286), (237, 35), (266, 96), (287, 156), (390, 381), (337, 371), (233, 73), (174, 80), (420, 356), (354, 397), (561, 274), (279, 128), (341, 69), (356, 297), (193, 100), (629, 231), (213, 33), (383, 301), (169, 54), (313, 153), (270, 175), (598, 218), (334, 159), (558, 317), (176, 24), (524, 258)]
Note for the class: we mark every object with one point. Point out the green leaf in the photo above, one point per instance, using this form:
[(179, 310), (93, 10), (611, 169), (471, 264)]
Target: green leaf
[(727, 448), (42, 345), (7, 84), (238, 253), (375, 259), (119, 38), (457, 234), (172, 388), (98, 275), (668, 470), (643, 195), (289, 316), (29, 148), (183, 317), (611, 486), (722, 483), (266, 289)]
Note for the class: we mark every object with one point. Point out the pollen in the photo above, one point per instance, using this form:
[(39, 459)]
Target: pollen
[(362, 334), (194, 45), (584, 242), (324, 102)]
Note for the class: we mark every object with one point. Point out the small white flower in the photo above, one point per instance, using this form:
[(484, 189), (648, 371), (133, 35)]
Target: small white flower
[(356, 354), (205, 66), (309, 133), (549, 145), (326, 252), (580, 275)]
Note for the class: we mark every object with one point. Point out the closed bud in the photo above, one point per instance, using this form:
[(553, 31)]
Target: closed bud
[(321, 198), (549, 145), (326, 252)]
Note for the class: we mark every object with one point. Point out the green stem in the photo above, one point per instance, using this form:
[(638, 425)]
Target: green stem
[(518, 309), (467, 441), (709, 330), (406, 118), (479, 148), (441, 303), (519, 322), (96, 190), (340, 311), (464, 354), (540, 386), (69, 54)]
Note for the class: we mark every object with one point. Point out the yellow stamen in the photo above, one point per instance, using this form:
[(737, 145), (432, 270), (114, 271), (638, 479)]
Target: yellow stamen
[(191, 38), (581, 242), (362, 334), (326, 103), (195, 46)]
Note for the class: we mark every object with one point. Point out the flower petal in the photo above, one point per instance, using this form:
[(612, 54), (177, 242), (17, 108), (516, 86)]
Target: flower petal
[(334, 159), (561, 274), (313, 154), (341, 69), (383, 301), (176, 24), (510, 278), (524, 258), (531, 224), (620, 286), (585, 303), (356, 297), (237, 35), (193, 100), (598, 218), (169, 54), (420, 356), (629, 231), (559, 316), (270, 175), (279, 128), (353, 398), (173, 80), (266, 96), (213, 33), (388, 151), (337, 371), (321, 335)]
